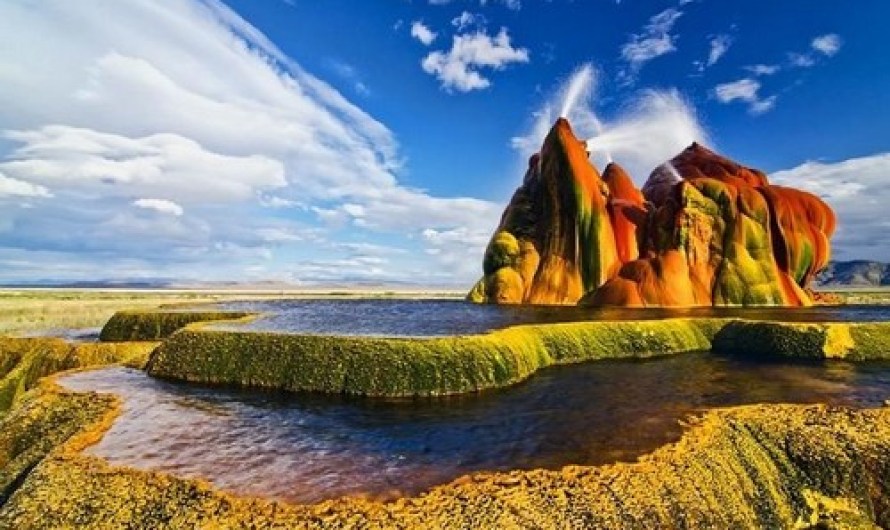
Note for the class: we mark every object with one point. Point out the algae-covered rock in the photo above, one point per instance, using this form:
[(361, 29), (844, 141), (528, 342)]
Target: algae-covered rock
[(42, 421), (152, 325), (23, 361), (412, 366), (377, 366), (704, 231), (823, 340)]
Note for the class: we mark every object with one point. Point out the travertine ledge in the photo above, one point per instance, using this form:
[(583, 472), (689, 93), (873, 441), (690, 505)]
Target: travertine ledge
[(400, 367)]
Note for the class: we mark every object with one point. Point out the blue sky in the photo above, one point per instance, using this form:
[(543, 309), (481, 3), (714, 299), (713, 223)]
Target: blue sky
[(340, 141)]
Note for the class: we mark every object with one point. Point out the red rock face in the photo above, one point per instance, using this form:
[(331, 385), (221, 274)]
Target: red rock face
[(703, 231)]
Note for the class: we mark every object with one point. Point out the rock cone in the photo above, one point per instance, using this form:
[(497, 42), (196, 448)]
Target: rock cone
[(703, 231)]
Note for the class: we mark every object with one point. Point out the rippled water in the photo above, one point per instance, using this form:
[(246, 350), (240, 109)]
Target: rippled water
[(305, 448), (451, 317)]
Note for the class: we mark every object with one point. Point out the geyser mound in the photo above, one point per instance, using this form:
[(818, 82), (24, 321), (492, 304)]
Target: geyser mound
[(703, 231)]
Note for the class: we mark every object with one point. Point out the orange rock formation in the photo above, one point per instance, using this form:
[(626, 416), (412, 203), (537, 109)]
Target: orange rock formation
[(703, 231)]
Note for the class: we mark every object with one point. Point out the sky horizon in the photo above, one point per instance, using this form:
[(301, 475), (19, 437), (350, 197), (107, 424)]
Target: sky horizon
[(339, 142)]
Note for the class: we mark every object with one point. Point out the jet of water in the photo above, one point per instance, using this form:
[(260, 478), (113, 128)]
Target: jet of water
[(579, 87), (576, 105), (658, 126), (650, 128)]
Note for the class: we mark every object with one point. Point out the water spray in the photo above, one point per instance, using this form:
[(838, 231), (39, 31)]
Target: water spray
[(579, 88)]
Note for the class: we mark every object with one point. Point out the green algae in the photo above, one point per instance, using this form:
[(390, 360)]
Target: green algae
[(126, 326), (400, 367), (23, 361), (858, 341), (502, 251), (411, 366)]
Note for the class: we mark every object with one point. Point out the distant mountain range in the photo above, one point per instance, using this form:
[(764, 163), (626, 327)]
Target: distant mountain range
[(856, 273)]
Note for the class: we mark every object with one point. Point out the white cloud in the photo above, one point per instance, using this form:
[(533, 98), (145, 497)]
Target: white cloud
[(350, 74), (828, 44), (763, 69), (719, 46), (745, 90), (11, 187), (159, 205), (88, 161), (457, 247), (857, 191), (421, 32), (801, 60), (183, 101), (654, 41), (763, 105), (468, 20), (513, 5), (459, 68)]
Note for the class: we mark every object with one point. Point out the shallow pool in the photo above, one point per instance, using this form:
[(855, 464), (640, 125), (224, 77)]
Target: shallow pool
[(390, 317), (305, 448)]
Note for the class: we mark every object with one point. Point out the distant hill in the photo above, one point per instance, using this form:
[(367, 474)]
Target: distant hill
[(856, 273)]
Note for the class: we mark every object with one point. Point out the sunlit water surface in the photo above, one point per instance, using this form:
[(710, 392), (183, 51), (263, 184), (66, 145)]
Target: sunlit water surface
[(452, 317)]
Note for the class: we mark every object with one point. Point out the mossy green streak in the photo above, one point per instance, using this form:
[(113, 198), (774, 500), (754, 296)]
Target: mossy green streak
[(154, 325)]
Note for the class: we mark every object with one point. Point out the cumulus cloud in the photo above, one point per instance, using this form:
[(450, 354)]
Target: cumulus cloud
[(828, 44), (159, 205), (422, 32), (459, 68), (857, 191), (654, 41), (11, 187), (185, 102), (745, 90)]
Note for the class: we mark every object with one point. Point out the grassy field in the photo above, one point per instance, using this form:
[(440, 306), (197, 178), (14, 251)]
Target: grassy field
[(24, 311), (860, 295), (29, 311)]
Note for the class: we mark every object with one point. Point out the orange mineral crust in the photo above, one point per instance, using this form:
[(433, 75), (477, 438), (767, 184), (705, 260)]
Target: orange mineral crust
[(704, 230)]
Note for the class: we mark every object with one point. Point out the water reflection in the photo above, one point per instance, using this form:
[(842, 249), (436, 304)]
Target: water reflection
[(305, 448)]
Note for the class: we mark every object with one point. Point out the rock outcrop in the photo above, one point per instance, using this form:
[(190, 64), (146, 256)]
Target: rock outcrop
[(703, 231)]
